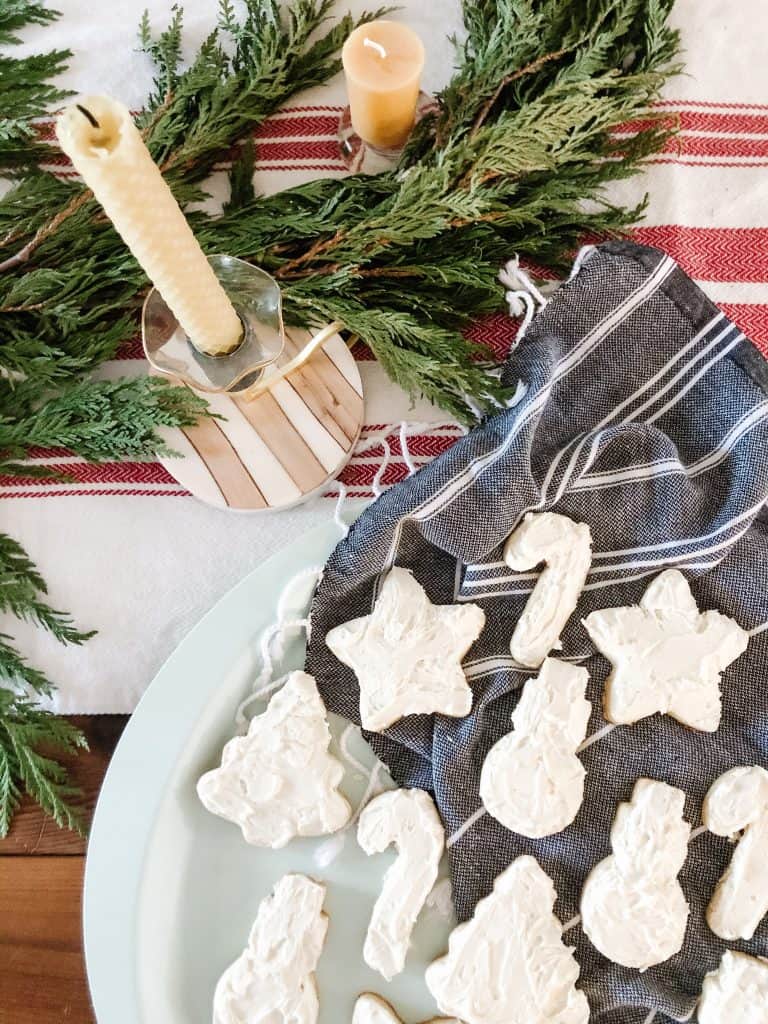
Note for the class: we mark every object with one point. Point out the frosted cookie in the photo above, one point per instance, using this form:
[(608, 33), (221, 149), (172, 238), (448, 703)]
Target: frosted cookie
[(280, 781), (273, 978), (667, 657), (566, 549), (532, 781), (509, 964), (632, 906), (407, 653), (408, 819), (371, 1009), (736, 993), (737, 805)]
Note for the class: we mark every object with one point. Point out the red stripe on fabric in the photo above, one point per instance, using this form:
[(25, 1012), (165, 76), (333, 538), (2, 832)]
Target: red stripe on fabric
[(711, 103), (355, 474), (45, 130), (537, 270), (93, 473), (57, 159), (702, 121), (132, 349), (350, 494), (93, 493), (497, 332), (311, 149), (301, 167), (283, 127), (752, 319), (713, 254), (291, 110), (680, 161), (419, 446), (375, 428), (362, 353), (48, 453), (708, 145)]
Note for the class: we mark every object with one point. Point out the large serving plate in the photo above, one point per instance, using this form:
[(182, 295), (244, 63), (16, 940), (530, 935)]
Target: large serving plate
[(170, 890)]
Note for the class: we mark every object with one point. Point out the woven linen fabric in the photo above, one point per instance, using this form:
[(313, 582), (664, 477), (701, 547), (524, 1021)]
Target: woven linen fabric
[(645, 415)]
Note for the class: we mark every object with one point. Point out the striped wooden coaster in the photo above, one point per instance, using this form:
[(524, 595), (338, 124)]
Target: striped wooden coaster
[(280, 448)]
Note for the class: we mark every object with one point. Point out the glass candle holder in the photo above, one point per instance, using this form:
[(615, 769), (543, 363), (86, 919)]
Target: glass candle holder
[(256, 298)]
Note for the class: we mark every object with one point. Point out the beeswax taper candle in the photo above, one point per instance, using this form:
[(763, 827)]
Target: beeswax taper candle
[(100, 138), (383, 62)]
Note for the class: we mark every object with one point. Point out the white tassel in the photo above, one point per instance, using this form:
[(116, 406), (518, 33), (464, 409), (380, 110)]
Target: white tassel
[(523, 297), (274, 634)]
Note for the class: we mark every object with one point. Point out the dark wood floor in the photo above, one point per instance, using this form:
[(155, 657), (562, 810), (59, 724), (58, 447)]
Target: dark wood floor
[(42, 971)]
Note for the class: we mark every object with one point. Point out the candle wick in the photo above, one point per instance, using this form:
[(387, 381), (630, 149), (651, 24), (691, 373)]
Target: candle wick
[(86, 113), (376, 46)]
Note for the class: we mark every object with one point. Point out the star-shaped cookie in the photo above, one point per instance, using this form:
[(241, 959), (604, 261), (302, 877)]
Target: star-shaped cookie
[(407, 653), (666, 655)]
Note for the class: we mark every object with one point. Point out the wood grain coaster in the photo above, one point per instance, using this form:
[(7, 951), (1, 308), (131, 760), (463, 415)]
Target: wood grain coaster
[(280, 448)]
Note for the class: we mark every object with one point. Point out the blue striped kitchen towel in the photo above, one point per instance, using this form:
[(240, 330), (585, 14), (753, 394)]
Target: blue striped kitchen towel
[(645, 415)]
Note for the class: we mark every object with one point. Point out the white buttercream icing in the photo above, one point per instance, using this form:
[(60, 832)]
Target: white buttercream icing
[(273, 980), (407, 653), (280, 781), (371, 1009), (408, 818), (738, 803), (666, 655), (508, 965), (736, 993), (531, 780), (566, 549), (632, 906)]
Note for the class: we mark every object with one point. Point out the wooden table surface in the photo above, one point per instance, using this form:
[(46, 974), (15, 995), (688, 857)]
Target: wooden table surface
[(42, 971)]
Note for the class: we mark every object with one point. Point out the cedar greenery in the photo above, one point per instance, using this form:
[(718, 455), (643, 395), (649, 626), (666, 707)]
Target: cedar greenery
[(24, 85), (515, 158)]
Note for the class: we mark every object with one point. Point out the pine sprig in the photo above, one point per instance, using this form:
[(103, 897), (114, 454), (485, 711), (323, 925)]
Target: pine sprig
[(20, 588), (17, 671), (101, 419), (25, 86), (196, 115), (25, 732)]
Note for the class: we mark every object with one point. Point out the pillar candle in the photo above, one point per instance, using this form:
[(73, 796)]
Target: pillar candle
[(100, 138), (383, 62)]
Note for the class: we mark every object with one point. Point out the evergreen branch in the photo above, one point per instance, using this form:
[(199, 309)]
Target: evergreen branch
[(241, 178), (20, 257), (25, 731), (17, 671), (25, 87), (224, 95), (10, 792), (103, 419), (529, 69), (20, 588)]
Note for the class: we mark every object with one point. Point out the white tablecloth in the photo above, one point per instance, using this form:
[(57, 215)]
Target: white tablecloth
[(129, 555)]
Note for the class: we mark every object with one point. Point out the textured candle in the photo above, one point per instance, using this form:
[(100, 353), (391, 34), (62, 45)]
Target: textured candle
[(383, 62), (105, 147)]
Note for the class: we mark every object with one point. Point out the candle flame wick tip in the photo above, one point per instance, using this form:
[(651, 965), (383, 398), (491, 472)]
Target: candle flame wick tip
[(375, 46), (86, 113)]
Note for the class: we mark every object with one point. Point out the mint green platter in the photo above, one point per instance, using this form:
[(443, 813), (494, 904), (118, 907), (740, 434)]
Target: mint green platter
[(170, 890)]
